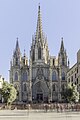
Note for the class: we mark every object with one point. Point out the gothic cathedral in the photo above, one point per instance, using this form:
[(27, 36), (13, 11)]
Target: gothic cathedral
[(45, 78)]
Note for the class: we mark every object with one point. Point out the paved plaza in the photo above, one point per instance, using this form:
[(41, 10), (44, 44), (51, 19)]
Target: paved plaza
[(37, 115)]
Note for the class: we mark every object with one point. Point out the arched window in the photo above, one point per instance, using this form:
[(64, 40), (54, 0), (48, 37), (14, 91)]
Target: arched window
[(63, 76), (33, 55), (39, 53), (25, 87), (24, 76), (54, 76), (53, 87), (16, 76), (16, 61)]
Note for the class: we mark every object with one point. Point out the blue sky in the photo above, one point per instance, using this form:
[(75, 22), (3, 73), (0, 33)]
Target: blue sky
[(18, 18)]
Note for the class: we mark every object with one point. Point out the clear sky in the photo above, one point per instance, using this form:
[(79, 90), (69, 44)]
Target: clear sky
[(18, 18)]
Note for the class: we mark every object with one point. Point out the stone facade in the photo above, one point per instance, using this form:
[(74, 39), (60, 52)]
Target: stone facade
[(45, 77)]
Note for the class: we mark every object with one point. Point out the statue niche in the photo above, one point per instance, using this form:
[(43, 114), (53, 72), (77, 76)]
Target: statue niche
[(40, 73)]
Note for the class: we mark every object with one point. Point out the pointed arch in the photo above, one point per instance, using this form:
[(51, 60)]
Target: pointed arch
[(63, 75), (39, 53), (54, 77)]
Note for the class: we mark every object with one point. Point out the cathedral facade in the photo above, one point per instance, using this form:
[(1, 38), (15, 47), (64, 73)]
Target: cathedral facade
[(45, 77)]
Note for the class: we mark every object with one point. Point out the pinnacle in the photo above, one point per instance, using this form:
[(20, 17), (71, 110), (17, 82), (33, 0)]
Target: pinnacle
[(39, 24), (62, 45)]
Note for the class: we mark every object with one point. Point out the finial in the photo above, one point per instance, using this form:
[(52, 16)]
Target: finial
[(39, 5), (39, 31), (24, 53), (17, 44), (62, 38), (62, 45), (17, 38)]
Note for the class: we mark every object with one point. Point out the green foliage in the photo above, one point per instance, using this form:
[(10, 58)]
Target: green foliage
[(71, 94), (8, 93)]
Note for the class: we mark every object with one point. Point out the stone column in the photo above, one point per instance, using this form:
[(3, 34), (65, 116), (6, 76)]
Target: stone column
[(30, 83), (59, 85), (50, 84)]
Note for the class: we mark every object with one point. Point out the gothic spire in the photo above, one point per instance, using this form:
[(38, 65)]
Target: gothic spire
[(17, 44), (62, 45), (17, 49), (39, 25), (24, 53)]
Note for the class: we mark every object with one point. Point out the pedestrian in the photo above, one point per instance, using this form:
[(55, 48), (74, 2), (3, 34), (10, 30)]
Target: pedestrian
[(46, 107), (58, 106)]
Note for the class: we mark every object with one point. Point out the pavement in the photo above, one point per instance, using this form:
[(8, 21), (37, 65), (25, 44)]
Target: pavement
[(37, 115)]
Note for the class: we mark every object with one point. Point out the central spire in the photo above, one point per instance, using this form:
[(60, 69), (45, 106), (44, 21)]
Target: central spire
[(62, 45), (39, 32)]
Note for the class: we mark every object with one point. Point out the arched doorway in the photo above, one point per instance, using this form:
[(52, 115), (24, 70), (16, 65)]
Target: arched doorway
[(40, 92)]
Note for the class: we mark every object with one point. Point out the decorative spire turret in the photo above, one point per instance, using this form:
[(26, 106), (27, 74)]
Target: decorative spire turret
[(17, 44), (24, 59), (39, 32), (62, 45), (24, 53), (62, 57), (17, 54), (17, 49)]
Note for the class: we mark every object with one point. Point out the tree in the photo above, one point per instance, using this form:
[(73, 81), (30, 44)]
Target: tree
[(71, 94), (8, 93)]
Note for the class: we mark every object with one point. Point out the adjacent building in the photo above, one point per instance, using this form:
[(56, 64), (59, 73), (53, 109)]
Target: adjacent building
[(73, 74)]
